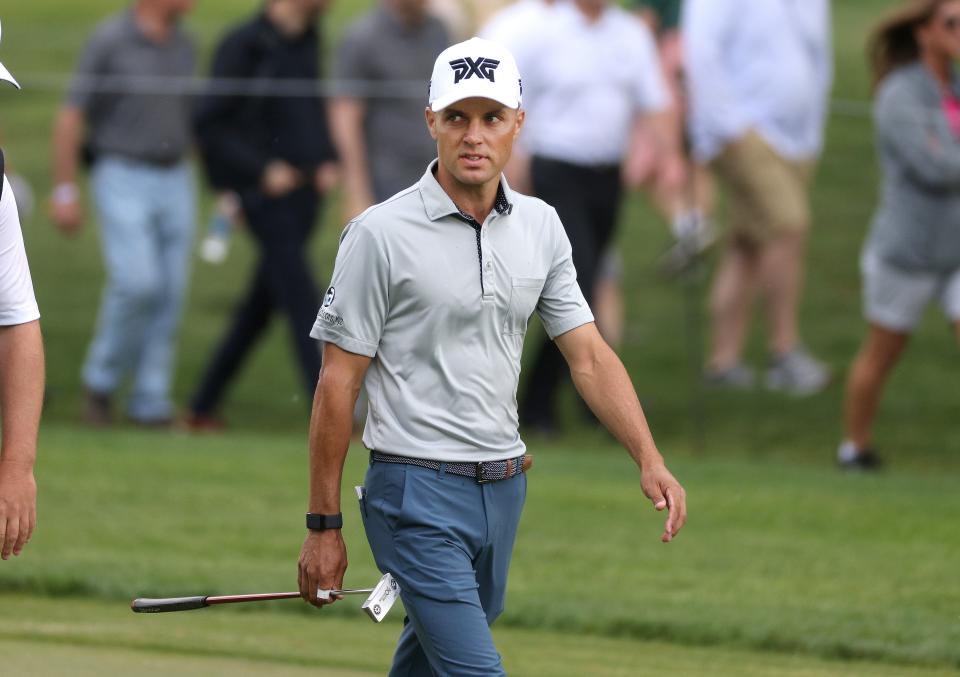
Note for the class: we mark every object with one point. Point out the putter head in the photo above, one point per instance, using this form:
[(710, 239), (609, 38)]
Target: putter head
[(381, 600)]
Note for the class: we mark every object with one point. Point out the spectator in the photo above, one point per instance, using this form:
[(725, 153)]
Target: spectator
[(377, 116), (137, 139), (686, 205), (274, 152), (912, 255), (21, 376), (590, 70), (759, 75), (511, 26), (463, 17)]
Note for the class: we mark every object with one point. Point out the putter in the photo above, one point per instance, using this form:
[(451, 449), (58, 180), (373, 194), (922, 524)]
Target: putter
[(380, 599)]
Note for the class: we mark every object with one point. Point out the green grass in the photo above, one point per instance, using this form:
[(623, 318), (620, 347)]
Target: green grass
[(81, 637), (785, 568), (782, 557)]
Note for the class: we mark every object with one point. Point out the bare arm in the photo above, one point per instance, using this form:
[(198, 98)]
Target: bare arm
[(667, 128), (346, 125), (604, 384), (323, 558), (21, 400), (65, 208)]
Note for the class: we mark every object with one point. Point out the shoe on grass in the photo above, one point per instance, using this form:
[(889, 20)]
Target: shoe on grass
[(97, 409), (851, 458), (737, 377), (695, 235), (798, 373), (192, 422)]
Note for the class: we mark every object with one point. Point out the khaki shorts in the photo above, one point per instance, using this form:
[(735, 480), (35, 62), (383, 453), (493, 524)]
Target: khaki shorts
[(767, 192)]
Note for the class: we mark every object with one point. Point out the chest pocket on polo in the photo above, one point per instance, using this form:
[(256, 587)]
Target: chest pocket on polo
[(524, 294)]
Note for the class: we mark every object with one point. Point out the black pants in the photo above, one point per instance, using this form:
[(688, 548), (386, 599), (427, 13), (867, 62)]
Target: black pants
[(281, 281), (587, 200)]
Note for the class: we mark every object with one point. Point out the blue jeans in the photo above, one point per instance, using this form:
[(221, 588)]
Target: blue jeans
[(448, 541), (146, 232)]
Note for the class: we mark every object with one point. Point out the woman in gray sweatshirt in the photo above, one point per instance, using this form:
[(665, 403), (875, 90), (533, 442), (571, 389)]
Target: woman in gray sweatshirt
[(912, 255)]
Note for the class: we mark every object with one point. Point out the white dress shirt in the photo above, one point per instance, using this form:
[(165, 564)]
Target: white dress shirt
[(584, 81), (17, 301), (758, 64), (514, 23)]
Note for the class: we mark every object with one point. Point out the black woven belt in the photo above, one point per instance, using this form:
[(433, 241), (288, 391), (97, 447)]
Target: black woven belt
[(484, 472)]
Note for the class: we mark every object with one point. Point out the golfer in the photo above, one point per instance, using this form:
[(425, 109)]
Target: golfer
[(21, 376), (429, 303)]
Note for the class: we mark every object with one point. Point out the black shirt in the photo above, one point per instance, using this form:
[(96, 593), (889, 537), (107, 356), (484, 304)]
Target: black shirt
[(239, 134)]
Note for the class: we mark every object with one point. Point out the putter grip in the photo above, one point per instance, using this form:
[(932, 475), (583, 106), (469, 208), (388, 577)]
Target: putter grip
[(155, 606)]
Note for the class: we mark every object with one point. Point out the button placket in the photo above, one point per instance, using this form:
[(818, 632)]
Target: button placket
[(489, 287)]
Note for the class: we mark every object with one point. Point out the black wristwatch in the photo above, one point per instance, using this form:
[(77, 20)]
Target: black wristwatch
[(317, 522)]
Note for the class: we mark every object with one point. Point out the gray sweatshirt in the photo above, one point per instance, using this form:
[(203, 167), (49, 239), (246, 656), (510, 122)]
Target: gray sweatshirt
[(917, 224)]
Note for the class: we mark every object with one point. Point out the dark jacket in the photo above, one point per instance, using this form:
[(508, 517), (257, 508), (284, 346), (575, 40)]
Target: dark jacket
[(239, 134)]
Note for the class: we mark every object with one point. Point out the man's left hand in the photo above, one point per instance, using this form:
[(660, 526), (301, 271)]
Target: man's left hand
[(327, 177), (18, 507), (661, 487)]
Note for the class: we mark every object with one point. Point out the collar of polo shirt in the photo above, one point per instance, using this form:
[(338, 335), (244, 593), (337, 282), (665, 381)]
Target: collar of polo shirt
[(438, 204)]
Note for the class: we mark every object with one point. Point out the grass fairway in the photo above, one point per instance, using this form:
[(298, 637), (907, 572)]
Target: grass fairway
[(786, 567), (785, 558), (81, 638)]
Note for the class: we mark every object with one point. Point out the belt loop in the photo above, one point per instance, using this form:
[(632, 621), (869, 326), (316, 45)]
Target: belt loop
[(443, 470)]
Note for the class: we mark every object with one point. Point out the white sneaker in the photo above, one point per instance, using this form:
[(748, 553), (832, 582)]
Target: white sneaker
[(695, 234), (797, 373), (737, 377)]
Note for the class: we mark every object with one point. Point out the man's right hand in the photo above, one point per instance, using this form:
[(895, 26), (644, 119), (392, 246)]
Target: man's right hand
[(18, 507), (66, 212), (323, 562), (280, 178)]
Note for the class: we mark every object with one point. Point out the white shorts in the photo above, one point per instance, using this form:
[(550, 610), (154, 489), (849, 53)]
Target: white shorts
[(895, 299)]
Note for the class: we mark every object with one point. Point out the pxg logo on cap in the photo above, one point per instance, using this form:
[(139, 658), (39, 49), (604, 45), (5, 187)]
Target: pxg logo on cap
[(466, 68), (475, 68)]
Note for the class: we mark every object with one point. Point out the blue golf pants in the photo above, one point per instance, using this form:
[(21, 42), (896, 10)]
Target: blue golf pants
[(447, 540)]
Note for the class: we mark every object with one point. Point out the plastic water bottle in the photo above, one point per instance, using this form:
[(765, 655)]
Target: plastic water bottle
[(216, 243)]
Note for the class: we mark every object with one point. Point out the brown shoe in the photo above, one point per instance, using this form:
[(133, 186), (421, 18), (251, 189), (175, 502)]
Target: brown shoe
[(97, 411), (192, 422)]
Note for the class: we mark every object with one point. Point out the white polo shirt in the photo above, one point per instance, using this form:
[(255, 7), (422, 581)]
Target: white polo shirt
[(766, 66), (513, 24), (441, 305), (584, 82), (17, 301)]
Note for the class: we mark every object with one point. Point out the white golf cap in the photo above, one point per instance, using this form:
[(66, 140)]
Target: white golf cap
[(4, 73), (475, 68)]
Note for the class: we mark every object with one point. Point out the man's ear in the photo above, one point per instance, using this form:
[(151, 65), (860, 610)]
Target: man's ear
[(521, 116), (431, 118)]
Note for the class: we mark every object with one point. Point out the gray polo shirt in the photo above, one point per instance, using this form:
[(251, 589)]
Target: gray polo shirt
[(125, 114), (443, 313), (382, 61)]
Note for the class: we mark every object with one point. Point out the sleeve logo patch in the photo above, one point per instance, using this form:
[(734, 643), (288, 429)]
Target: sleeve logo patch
[(329, 297)]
